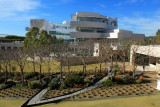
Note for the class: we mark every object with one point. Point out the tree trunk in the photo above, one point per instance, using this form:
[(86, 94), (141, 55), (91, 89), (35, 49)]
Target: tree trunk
[(0, 67), (34, 68), (40, 71), (133, 65), (48, 72), (22, 76), (68, 68), (100, 67), (111, 66), (6, 75), (60, 72), (124, 64)]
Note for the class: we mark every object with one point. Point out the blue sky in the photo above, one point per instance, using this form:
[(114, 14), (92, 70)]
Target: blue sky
[(140, 16)]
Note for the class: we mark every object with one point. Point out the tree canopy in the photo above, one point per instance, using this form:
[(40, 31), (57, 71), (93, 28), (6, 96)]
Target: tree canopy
[(35, 37), (158, 36)]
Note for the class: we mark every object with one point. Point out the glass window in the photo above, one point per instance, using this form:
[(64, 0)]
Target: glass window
[(2, 48), (54, 26), (8, 47)]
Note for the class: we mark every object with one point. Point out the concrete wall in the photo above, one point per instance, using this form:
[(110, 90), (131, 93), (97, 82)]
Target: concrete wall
[(151, 50), (88, 35), (39, 23), (10, 45), (75, 24)]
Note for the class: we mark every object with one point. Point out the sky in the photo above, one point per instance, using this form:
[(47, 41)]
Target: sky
[(139, 16)]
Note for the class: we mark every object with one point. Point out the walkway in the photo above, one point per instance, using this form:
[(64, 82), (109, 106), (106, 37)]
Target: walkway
[(37, 99)]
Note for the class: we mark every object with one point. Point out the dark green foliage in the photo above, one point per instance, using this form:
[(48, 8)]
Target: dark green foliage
[(45, 38), (62, 86), (2, 79), (74, 79), (9, 40), (21, 38), (138, 81), (45, 80), (125, 80), (10, 84), (60, 40), (54, 83), (37, 38), (35, 85), (115, 66), (30, 75), (18, 86), (108, 82)]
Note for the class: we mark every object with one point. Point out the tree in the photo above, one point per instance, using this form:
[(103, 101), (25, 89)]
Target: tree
[(5, 59), (122, 51), (158, 36), (20, 57), (32, 54), (110, 48), (84, 49), (45, 38), (31, 37), (40, 55), (60, 40), (60, 50)]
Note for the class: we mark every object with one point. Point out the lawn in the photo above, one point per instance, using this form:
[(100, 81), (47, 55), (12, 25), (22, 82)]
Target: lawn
[(143, 101), (55, 67)]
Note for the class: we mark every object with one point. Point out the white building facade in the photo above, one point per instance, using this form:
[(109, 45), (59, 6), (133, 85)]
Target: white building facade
[(94, 25), (59, 30), (153, 53)]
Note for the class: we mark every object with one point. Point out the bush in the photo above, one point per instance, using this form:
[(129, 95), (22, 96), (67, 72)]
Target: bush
[(138, 81), (108, 82), (119, 81), (34, 85), (18, 86), (115, 66), (45, 80), (54, 83), (3, 85), (62, 86), (2, 79), (30, 75), (74, 79)]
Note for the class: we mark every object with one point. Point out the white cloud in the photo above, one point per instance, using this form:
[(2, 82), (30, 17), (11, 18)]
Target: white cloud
[(9, 8), (149, 25), (102, 5), (59, 2)]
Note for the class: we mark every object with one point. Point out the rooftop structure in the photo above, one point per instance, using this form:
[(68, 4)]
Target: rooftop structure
[(94, 25)]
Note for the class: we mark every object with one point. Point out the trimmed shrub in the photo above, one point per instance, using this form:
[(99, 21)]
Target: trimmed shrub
[(108, 82), (138, 81), (45, 80), (34, 85), (62, 86), (2, 79), (54, 84), (74, 79), (30, 75)]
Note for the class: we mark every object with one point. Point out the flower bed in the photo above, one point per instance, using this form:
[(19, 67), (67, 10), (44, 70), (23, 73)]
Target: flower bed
[(17, 93), (113, 91)]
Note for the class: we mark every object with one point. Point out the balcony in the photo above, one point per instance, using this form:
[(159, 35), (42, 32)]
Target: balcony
[(75, 24), (88, 35)]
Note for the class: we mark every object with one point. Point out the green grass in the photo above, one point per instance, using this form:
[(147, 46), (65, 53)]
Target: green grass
[(143, 101), (55, 67)]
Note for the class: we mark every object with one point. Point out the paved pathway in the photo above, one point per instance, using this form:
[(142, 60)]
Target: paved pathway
[(37, 99)]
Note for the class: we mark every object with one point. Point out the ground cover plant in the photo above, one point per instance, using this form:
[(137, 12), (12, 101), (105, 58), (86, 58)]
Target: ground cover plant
[(18, 93), (119, 90)]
